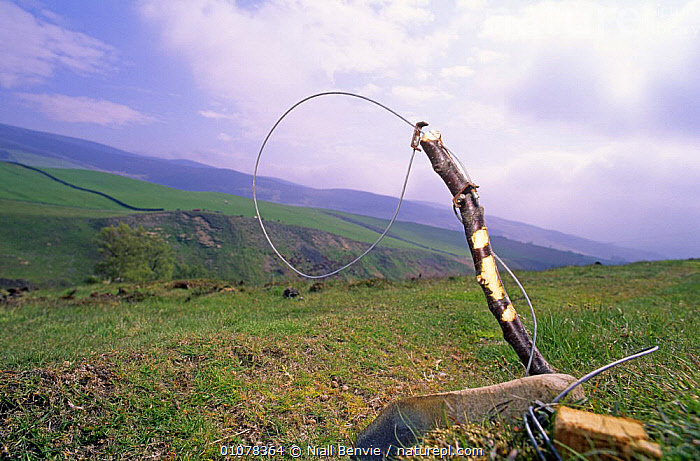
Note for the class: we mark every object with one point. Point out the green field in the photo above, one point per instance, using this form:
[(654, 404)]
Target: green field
[(153, 371), (158, 371), (146, 195), (48, 229)]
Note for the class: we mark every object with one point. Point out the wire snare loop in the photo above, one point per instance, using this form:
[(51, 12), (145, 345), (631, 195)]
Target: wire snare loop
[(415, 145), (417, 131)]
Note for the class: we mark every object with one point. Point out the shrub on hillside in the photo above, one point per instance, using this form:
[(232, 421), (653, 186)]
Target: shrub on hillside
[(132, 254)]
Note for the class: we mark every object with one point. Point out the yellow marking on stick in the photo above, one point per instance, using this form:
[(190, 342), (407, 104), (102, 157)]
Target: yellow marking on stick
[(480, 238), (509, 314), (489, 278)]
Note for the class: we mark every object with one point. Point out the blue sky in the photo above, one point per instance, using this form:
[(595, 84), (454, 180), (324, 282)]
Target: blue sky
[(579, 116)]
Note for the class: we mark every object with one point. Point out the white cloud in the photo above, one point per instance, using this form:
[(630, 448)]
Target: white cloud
[(420, 94), (408, 12), (610, 66), (479, 116), (217, 115), (489, 56), (81, 109), (268, 58), (472, 4), (599, 190), (563, 20), (456, 72), (369, 90), (32, 49), (224, 137), (624, 30)]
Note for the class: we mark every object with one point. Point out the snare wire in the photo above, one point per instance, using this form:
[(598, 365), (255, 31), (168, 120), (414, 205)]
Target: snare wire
[(458, 162), (398, 206)]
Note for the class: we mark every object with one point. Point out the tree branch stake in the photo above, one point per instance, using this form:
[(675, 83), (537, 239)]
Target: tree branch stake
[(466, 200)]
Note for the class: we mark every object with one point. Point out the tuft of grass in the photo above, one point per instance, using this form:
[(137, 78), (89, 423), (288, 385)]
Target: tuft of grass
[(489, 441)]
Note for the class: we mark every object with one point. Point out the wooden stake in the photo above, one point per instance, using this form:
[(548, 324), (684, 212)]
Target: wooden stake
[(472, 214)]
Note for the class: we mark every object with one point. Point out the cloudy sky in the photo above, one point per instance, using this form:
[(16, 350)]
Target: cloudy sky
[(579, 116)]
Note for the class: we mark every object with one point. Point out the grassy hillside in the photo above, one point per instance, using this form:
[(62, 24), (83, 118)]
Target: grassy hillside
[(46, 249), (147, 195), (519, 255), (29, 186), (62, 237), (154, 371), (51, 150), (59, 250), (48, 235)]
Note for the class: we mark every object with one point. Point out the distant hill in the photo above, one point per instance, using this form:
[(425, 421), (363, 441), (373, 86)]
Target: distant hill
[(47, 232), (50, 150), (57, 250)]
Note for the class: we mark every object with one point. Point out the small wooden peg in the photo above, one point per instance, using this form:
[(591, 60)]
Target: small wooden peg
[(585, 432)]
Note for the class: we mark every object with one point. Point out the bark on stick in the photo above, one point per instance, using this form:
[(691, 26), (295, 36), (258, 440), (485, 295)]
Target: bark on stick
[(472, 215)]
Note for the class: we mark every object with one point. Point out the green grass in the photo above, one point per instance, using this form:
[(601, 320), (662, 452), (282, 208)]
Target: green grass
[(44, 191), (47, 233), (21, 190), (31, 187), (51, 249), (17, 208), (47, 229), (46, 248), (146, 195), (173, 373)]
